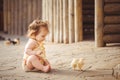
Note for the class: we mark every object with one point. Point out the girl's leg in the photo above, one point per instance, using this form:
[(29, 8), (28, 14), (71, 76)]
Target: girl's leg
[(34, 62), (47, 63)]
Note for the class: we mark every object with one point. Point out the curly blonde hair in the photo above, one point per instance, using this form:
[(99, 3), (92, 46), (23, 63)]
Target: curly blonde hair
[(34, 28)]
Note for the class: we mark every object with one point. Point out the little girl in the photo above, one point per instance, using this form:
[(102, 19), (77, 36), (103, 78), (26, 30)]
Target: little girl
[(34, 58)]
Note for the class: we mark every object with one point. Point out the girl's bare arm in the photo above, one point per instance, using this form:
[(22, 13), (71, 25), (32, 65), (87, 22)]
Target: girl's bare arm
[(30, 46)]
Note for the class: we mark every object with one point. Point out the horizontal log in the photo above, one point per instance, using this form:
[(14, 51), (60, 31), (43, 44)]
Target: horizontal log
[(88, 18), (112, 38), (112, 20), (113, 29), (111, 1), (86, 12), (88, 32), (88, 1), (88, 26), (112, 9), (88, 7)]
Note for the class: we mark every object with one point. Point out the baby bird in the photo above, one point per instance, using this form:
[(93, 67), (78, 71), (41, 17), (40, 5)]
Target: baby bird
[(16, 41), (8, 41), (77, 64)]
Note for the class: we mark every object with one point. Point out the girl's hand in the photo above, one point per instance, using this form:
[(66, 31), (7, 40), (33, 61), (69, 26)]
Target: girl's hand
[(38, 52)]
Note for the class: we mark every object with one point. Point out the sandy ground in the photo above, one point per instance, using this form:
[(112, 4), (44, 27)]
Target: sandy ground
[(98, 61)]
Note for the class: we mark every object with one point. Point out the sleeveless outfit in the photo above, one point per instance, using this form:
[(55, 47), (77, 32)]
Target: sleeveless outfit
[(42, 55)]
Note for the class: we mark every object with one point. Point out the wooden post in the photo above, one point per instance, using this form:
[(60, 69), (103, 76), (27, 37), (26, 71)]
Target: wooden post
[(24, 17), (39, 7), (5, 4), (50, 19), (9, 19), (47, 14), (12, 17), (43, 9), (58, 21), (34, 9), (16, 20), (78, 20), (61, 21), (29, 12), (99, 23), (13, 13), (19, 19), (54, 18), (65, 21), (71, 20)]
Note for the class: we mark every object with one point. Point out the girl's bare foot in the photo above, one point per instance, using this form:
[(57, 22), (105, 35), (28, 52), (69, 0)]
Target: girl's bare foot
[(46, 68)]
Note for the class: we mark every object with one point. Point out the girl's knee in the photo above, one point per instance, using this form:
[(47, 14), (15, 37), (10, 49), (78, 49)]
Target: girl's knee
[(32, 57)]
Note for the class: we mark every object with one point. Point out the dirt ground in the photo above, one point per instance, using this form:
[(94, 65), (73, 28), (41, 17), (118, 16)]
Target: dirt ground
[(98, 61)]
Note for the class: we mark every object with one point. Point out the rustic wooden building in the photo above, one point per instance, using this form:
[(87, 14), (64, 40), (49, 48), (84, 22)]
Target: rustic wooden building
[(18, 14), (69, 20)]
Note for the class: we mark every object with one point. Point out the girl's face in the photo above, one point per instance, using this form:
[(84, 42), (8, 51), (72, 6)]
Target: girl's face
[(42, 34)]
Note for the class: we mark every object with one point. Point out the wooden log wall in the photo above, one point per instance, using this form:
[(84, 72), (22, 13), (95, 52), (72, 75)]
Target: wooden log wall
[(99, 23), (111, 21), (18, 14), (65, 20), (1, 15), (107, 22), (88, 18)]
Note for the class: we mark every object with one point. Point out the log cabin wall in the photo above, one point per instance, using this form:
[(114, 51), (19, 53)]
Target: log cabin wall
[(1, 15), (65, 20), (18, 14), (88, 19), (111, 21), (107, 22)]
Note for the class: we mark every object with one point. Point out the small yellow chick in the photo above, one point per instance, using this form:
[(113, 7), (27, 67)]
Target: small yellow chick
[(77, 64), (7, 42)]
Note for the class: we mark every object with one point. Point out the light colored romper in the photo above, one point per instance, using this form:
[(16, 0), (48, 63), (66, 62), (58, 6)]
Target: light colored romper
[(43, 56)]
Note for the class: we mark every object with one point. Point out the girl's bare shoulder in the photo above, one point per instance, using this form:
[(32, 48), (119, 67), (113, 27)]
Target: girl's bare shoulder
[(31, 43)]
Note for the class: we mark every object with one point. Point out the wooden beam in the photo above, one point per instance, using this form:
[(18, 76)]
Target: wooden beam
[(43, 9), (99, 23), (39, 6), (112, 9), (5, 7), (9, 16), (88, 7), (86, 12), (16, 17), (88, 1), (112, 29), (71, 20), (65, 21), (112, 19), (115, 38), (50, 20), (29, 12), (55, 18), (88, 26), (12, 17), (24, 17), (112, 1), (61, 21), (78, 20), (56, 21), (20, 17), (88, 19)]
